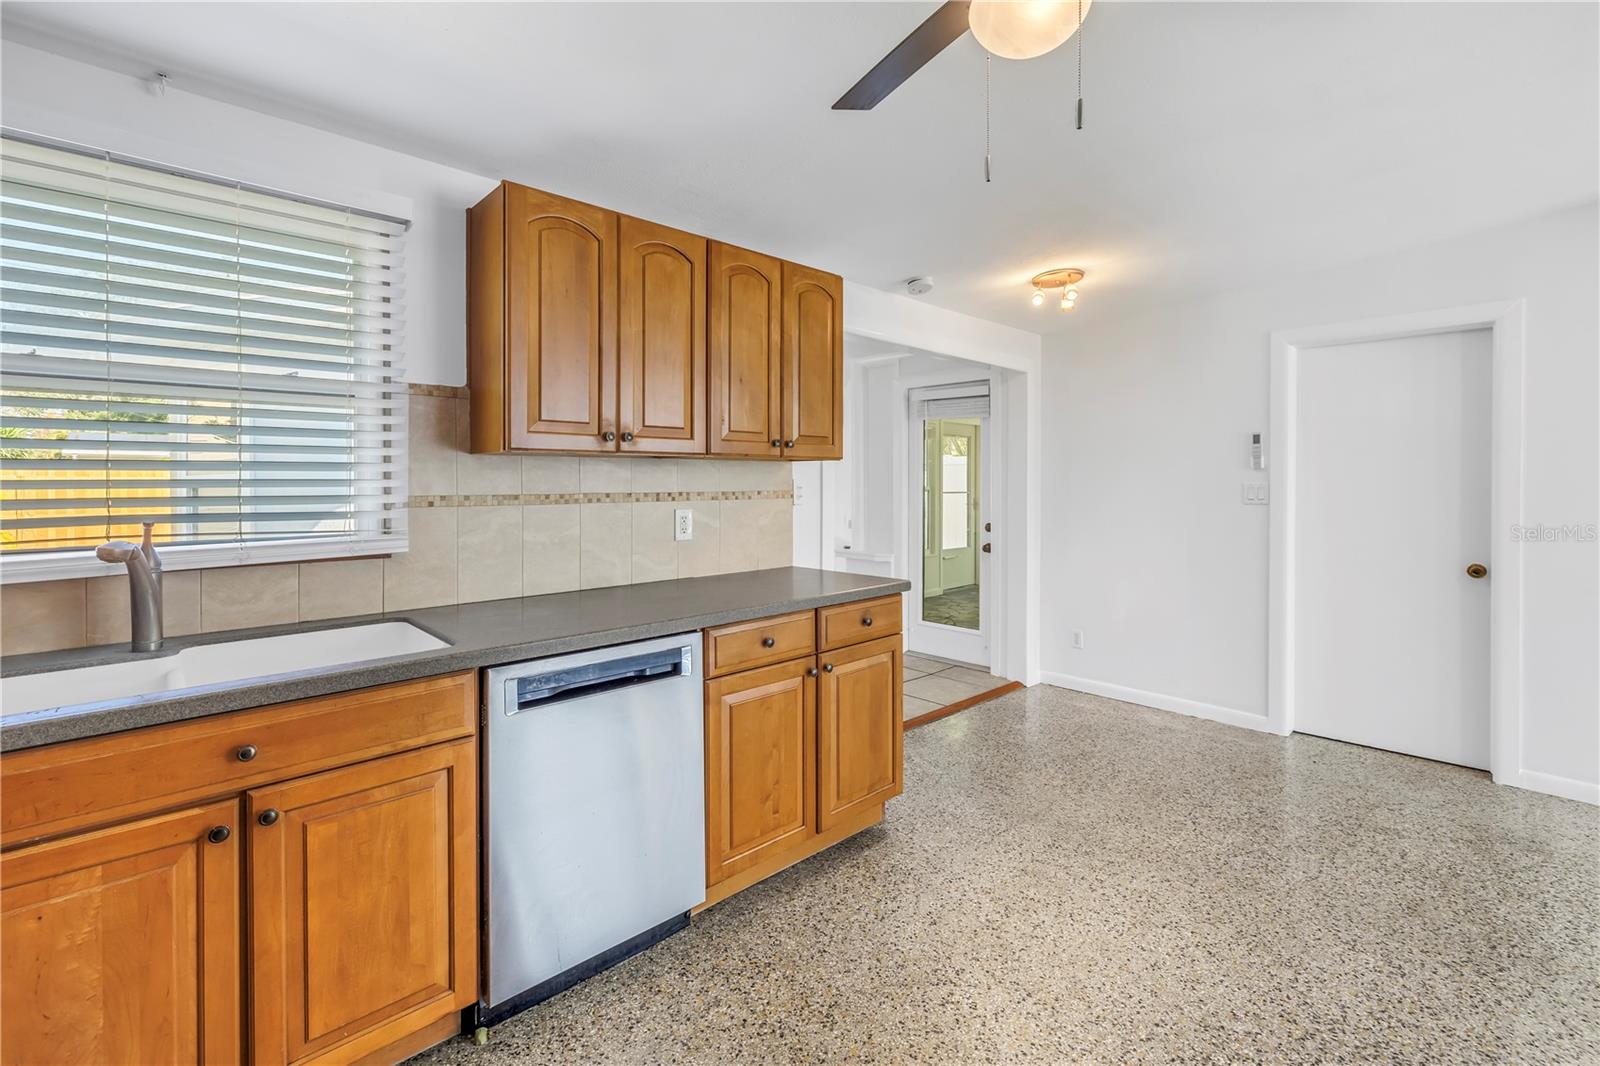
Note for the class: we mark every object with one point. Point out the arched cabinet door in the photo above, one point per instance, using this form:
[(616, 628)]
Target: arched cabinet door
[(561, 322), (746, 336), (813, 363), (661, 379)]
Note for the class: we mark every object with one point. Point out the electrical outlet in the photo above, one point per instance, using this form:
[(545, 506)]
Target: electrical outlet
[(1077, 638), (683, 523)]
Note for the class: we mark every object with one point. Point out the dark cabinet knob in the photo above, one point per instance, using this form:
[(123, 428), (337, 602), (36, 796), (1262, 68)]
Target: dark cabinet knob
[(768, 642), (608, 436), (811, 672), (776, 443), (827, 668), (626, 437), (219, 833), (867, 621), (246, 753), (268, 817), (788, 444)]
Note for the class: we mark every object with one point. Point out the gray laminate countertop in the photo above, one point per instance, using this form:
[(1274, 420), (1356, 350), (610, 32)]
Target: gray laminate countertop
[(490, 633)]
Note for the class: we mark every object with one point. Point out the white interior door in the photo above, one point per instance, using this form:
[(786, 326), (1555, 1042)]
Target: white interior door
[(1391, 508)]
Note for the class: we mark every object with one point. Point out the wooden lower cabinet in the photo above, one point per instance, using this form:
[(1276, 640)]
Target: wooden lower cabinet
[(319, 916), (761, 790), (801, 754), (859, 731), (122, 945), (363, 905)]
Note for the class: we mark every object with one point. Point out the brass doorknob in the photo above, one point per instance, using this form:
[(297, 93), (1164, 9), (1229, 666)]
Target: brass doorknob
[(1477, 570)]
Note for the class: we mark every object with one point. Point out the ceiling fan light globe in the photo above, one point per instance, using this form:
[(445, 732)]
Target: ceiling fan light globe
[(1023, 29)]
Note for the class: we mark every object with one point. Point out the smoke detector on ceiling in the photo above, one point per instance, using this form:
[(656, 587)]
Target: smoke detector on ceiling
[(919, 286)]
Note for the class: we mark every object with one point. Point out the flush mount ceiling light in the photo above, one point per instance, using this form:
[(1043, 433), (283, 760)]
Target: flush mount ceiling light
[(1024, 29), (1064, 278)]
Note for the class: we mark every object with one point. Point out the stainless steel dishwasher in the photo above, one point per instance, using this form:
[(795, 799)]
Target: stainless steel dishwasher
[(594, 799)]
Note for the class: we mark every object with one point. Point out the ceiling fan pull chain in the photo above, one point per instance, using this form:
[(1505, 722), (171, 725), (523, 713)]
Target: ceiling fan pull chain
[(1080, 64), (986, 176)]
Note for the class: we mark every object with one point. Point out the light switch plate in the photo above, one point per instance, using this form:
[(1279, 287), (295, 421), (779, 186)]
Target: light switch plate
[(683, 523), (1253, 492)]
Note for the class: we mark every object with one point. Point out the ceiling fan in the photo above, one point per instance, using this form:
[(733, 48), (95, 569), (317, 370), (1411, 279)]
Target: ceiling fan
[(1010, 29)]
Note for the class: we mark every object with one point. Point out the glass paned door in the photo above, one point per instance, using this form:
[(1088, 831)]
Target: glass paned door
[(951, 539)]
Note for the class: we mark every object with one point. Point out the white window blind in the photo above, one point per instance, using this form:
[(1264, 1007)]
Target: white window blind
[(954, 401), (221, 361)]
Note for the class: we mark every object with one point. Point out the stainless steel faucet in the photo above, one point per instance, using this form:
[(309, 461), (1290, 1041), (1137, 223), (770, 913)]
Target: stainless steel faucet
[(144, 586)]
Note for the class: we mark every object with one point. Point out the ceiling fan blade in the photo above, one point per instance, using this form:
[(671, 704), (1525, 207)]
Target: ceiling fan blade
[(926, 41)]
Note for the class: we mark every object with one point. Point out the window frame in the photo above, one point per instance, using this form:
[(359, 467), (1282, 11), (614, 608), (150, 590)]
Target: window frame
[(376, 532)]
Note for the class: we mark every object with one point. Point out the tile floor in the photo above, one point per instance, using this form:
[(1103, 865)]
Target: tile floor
[(1068, 879), (934, 683)]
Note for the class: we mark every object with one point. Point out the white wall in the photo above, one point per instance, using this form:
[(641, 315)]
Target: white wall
[(68, 100), (1147, 428)]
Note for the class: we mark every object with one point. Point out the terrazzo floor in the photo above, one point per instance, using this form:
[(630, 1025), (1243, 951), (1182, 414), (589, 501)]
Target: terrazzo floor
[(1069, 879)]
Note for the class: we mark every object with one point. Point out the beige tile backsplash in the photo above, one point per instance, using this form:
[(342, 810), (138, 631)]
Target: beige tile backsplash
[(480, 539)]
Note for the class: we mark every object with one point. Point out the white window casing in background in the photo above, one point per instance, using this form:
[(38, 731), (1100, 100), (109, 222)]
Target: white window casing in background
[(222, 361)]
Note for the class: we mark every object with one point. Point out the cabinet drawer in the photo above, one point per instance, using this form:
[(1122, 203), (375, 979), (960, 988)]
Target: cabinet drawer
[(64, 786), (758, 643), (850, 623)]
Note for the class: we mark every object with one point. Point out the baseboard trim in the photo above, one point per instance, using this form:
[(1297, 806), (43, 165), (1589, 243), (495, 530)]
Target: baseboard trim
[(1160, 701), (1554, 785), (1531, 780)]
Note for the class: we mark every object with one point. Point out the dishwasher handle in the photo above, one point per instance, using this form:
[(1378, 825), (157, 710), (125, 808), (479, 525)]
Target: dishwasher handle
[(574, 682)]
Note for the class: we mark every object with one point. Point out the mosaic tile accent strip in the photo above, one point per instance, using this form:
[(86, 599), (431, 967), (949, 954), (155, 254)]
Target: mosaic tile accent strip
[(537, 499)]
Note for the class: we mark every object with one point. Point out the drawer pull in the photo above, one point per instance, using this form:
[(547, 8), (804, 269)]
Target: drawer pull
[(246, 753), (268, 817), (768, 642), (867, 621), (219, 833)]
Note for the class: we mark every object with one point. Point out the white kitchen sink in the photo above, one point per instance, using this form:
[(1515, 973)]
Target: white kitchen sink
[(213, 664)]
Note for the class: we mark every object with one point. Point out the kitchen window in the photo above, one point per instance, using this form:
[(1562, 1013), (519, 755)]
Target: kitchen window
[(220, 360)]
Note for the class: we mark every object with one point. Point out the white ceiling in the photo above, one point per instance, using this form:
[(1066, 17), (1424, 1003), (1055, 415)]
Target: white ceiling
[(1225, 143)]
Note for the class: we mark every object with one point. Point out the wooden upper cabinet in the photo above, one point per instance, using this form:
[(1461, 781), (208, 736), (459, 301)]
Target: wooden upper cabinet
[(761, 786), (123, 944), (661, 380), (542, 323), (593, 332), (363, 906), (813, 363), (859, 730), (746, 335)]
